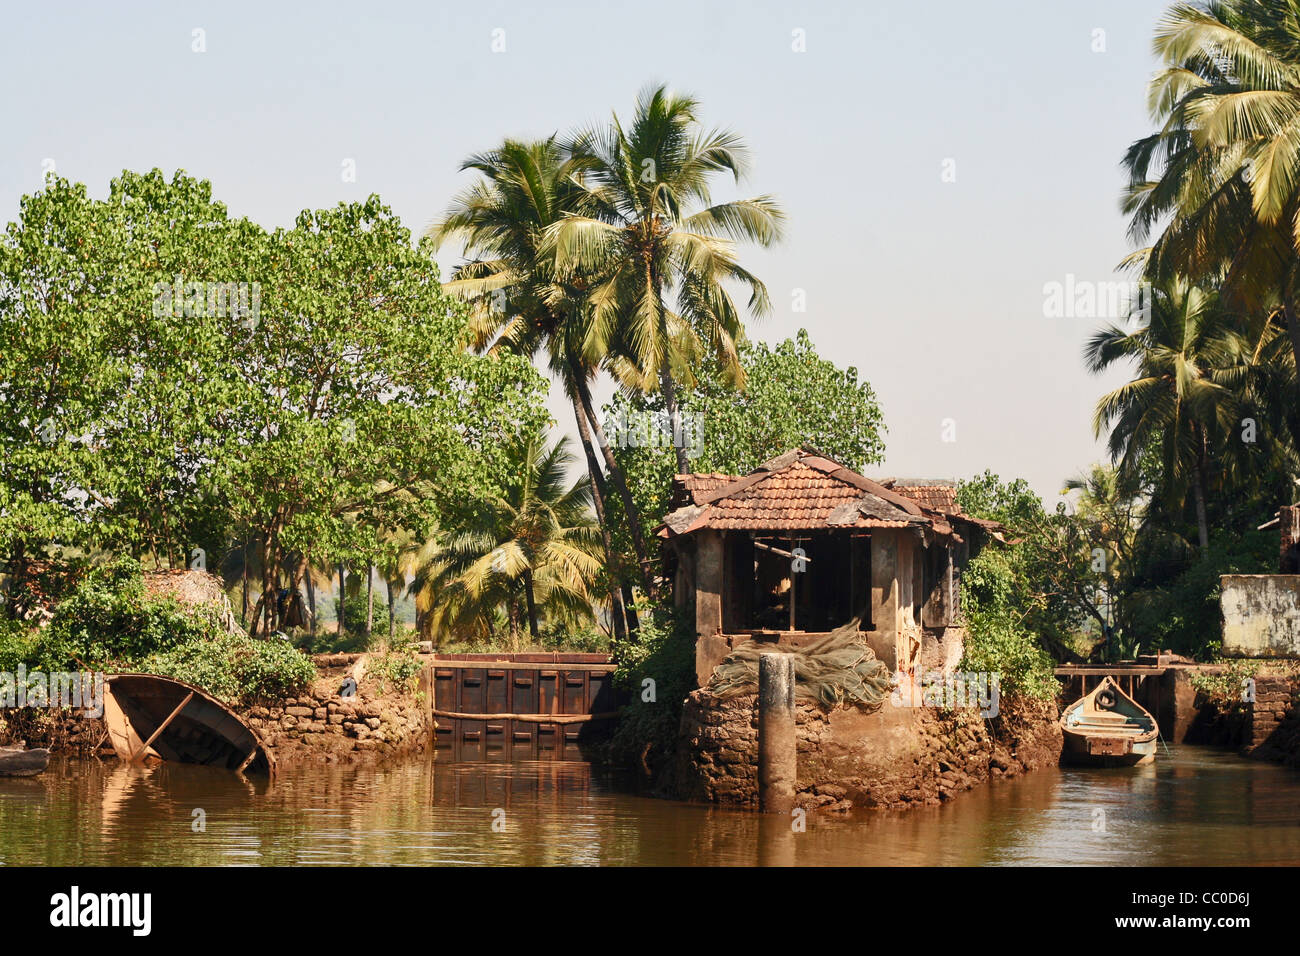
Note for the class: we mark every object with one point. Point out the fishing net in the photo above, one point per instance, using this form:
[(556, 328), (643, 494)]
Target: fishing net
[(837, 668)]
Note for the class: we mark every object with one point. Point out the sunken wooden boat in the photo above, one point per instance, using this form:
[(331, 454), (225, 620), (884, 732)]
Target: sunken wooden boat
[(18, 761), (151, 718), (1108, 728)]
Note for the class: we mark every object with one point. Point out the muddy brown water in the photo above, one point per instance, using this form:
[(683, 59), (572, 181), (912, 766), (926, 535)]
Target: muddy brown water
[(1193, 806)]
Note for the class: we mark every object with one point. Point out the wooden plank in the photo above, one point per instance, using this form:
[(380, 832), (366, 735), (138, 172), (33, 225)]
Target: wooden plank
[(528, 718), (163, 726)]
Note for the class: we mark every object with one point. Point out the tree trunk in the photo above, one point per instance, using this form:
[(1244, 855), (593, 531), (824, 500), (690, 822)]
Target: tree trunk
[(532, 607), (392, 618), (629, 605), (1202, 526), (370, 602), (311, 600), (267, 621), (620, 485), (244, 609), (598, 502), (674, 417), (342, 583)]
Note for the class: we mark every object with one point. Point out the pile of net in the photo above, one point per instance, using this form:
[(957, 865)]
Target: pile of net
[(830, 670)]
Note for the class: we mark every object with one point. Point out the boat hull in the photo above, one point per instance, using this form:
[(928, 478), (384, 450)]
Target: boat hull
[(17, 762), (1082, 750), (152, 718), (1107, 728)]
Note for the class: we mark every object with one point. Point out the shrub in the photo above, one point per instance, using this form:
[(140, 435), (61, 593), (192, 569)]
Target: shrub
[(107, 620), (997, 640), (396, 666), (997, 643), (664, 652), (108, 623), (236, 668)]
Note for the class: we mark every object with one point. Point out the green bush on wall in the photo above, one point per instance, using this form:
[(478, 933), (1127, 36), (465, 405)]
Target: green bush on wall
[(109, 623)]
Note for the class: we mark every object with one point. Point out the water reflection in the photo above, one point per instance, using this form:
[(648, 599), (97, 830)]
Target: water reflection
[(1193, 807)]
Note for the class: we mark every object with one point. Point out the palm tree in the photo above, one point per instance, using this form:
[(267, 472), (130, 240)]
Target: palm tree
[(634, 234), (1221, 175), (536, 545), (518, 303), (1181, 399)]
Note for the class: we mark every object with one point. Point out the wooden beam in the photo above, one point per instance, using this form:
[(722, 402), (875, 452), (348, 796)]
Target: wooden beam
[(529, 718), (163, 726), (784, 554)]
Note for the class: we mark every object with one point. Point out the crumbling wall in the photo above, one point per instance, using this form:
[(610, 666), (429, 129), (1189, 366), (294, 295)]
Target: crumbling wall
[(1261, 615), (894, 758)]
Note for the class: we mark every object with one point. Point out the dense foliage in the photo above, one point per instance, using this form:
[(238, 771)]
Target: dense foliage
[(110, 624), (656, 673), (791, 397), (179, 384)]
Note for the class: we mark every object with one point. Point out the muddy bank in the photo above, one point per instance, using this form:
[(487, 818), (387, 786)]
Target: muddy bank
[(893, 758)]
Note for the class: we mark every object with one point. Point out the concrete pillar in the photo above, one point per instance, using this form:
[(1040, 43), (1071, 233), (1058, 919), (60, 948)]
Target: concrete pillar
[(777, 752)]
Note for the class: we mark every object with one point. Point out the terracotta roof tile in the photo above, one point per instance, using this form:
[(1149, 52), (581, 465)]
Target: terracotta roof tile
[(803, 490)]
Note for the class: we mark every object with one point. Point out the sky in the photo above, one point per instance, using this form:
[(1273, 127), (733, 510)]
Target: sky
[(941, 165)]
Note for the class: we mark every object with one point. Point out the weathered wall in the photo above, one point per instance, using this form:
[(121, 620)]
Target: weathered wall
[(1272, 725), (1261, 615), (317, 725), (894, 758)]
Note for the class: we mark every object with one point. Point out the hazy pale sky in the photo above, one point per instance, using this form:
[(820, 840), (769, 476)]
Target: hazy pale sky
[(940, 163)]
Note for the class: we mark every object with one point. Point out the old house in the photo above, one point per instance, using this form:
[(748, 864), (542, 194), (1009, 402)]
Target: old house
[(803, 545)]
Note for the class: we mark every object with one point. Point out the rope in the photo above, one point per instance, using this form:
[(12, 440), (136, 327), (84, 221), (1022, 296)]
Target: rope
[(837, 668)]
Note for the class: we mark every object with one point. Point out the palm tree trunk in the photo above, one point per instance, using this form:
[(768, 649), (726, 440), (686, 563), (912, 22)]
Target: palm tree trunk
[(674, 417), (532, 607), (598, 501), (620, 485), (1198, 489)]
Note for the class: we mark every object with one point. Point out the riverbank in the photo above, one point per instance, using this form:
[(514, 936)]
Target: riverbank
[(893, 758), (383, 720)]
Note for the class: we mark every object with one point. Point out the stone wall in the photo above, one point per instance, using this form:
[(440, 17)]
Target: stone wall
[(321, 725), (317, 725), (1272, 724), (896, 757), (59, 730)]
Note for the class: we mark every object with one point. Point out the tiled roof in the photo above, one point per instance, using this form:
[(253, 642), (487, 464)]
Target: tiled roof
[(799, 490), (935, 495)]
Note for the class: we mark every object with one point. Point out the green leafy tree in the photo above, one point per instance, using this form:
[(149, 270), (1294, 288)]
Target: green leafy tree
[(56, 263), (357, 394), (791, 397)]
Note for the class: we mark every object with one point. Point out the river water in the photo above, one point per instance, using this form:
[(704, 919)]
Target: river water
[(1193, 806)]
